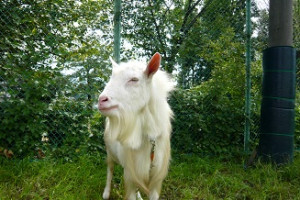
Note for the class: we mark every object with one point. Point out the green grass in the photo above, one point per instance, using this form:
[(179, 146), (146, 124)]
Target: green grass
[(190, 177)]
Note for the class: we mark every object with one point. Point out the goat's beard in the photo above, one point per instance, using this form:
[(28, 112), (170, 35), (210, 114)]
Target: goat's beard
[(125, 127)]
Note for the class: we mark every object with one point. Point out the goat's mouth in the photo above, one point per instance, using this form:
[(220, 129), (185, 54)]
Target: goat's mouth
[(107, 109)]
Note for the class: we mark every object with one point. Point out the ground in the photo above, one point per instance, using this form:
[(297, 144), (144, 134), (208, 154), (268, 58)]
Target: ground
[(190, 177)]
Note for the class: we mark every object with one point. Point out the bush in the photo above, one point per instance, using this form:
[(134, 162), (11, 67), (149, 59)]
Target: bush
[(209, 118), (206, 123)]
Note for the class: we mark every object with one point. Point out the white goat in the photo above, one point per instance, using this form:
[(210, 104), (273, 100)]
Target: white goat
[(138, 125)]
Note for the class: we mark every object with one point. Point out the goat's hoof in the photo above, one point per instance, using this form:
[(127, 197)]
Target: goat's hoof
[(138, 196), (105, 194), (154, 196)]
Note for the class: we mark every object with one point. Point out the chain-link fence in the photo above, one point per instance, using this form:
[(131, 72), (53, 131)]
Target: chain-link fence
[(54, 61)]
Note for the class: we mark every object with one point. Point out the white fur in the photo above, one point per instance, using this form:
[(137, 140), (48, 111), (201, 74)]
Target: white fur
[(142, 114)]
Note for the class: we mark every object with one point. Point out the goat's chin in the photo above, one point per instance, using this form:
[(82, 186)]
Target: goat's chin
[(109, 111)]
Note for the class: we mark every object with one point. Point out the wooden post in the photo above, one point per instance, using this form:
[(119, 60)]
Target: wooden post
[(281, 23), (279, 87)]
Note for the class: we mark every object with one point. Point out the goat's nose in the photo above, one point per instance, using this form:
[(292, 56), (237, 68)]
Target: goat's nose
[(103, 99)]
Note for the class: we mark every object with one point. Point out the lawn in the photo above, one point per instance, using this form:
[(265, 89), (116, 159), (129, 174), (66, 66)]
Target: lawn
[(190, 177)]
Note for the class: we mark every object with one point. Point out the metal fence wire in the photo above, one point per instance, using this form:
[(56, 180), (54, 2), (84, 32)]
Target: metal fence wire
[(54, 61)]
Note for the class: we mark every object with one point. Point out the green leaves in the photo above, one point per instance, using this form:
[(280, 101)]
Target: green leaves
[(209, 118), (36, 96), (54, 60)]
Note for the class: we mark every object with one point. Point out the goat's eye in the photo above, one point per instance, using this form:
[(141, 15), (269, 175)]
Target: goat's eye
[(134, 79)]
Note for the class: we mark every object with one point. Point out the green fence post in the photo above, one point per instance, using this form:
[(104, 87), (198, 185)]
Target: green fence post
[(248, 78), (117, 30)]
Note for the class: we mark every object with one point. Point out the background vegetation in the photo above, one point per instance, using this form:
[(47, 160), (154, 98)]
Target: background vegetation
[(54, 63)]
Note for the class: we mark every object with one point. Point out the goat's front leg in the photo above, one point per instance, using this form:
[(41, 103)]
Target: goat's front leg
[(155, 189), (110, 169), (130, 188)]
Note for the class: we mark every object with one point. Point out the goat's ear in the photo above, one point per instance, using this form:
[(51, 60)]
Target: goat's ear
[(153, 65), (114, 64)]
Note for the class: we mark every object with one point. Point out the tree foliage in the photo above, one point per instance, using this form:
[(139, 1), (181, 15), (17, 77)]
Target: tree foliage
[(40, 40), (180, 30), (211, 118), (54, 61)]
